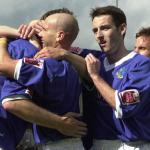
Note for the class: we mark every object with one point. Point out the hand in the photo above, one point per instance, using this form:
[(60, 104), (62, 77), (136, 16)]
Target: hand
[(26, 31), (93, 65), (50, 52), (40, 26), (71, 126)]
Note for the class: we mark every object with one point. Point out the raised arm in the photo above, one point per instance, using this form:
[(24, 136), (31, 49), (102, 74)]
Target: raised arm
[(7, 65), (10, 32)]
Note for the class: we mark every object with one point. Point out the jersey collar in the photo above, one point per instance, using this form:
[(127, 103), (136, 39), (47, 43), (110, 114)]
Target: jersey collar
[(108, 66)]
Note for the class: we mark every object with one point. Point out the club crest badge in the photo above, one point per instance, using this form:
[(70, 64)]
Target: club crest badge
[(120, 73)]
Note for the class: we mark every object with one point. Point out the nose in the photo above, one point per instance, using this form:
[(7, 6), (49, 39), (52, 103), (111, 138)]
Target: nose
[(99, 33)]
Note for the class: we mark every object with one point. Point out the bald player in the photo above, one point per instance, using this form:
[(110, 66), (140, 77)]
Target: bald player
[(51, 81)]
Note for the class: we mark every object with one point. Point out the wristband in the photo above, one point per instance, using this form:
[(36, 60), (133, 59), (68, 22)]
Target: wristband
[(3, 41)]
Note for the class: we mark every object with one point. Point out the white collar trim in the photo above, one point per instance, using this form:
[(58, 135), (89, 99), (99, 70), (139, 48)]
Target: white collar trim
[(111, 66)]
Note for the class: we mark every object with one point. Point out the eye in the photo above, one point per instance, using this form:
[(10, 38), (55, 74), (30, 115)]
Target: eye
[(94, 30), (105, 27)]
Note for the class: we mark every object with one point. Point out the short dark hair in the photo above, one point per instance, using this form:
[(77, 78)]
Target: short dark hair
[(116, 13), (145, 31), (51, 12)]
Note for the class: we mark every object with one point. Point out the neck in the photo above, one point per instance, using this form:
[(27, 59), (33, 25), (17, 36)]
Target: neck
[(63, 46), (119, 54)]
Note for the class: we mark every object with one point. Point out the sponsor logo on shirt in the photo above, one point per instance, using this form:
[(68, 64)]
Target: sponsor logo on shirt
[(129, 96), (35, 62)]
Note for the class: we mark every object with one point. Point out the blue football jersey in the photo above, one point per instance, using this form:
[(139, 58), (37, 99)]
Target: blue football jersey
[(95, 108), (17, 49), (2, 111), (2, 79), (130, 77), (56, 87), (13, 128)]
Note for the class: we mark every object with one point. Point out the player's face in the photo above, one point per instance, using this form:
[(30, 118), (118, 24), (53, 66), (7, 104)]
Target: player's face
[(142, 45), (106, 33), (48, 37)]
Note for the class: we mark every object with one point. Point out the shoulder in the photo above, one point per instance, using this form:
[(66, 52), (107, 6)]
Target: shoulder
[(18, 41), (141, 61), (138, 66), (21, 43), (21, 48), (84, 51), (58, 66)]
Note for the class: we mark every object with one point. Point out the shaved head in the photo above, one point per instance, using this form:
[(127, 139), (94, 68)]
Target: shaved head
[(64, 22)]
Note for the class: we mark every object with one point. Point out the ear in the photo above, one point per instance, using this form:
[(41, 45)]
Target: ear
[(123, 29), (60, 36)]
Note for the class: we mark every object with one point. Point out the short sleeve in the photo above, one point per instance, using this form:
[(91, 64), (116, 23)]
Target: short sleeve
[(133, 95)]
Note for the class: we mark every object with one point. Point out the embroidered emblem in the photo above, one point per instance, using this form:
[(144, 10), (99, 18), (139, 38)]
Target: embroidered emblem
[(129, 96), (35, 62), (121, 73)]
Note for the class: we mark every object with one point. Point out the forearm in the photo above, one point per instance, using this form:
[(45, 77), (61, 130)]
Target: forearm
[(6, 31), (66, 124), (61, 54), (105, 90), (31, 112), (79, 63)]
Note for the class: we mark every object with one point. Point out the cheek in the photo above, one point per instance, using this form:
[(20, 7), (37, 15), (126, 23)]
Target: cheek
[(115, 38), (109, 36), (144, 52), (95, 35)]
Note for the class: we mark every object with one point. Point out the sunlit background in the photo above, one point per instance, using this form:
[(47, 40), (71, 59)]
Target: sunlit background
[(16, 12)]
